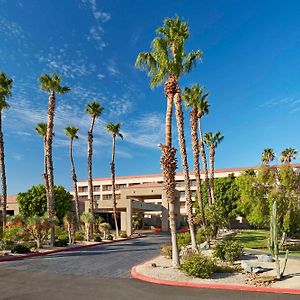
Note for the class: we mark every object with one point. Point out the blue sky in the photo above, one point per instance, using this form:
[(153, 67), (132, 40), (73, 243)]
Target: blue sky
[(251, 68)]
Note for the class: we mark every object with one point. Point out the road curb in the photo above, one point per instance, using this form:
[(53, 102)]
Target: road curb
[(30, 255), (135, 274)]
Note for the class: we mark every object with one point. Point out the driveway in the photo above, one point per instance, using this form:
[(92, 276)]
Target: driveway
[(101, 272)]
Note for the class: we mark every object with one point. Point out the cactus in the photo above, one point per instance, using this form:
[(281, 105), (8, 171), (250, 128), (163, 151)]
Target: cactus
[(274, 243)]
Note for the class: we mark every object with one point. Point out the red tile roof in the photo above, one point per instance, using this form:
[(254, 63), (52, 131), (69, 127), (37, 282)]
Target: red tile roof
[(12, 199)]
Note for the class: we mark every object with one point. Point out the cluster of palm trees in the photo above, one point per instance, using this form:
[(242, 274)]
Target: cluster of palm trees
[(286, 156), (167, 62), (52, 85)]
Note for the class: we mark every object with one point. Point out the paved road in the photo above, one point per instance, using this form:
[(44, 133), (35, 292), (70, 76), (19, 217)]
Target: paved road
[(101, 273)]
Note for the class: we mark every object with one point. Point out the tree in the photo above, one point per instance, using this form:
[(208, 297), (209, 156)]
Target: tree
[(71, 132), (34, 201), (87, 219), (191, 97), (287, 155), (114, 130), (94, 109), (212, 141), (52, 85), (105, 229), (167, 62), (267, 156), (70, 222), (5, 93)]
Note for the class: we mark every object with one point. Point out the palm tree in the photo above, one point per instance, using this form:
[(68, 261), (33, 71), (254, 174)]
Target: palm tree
[(212, 141), (167, 62), (94, 109), (41, 129), (203, 109), (5, 93), (71, 132), (52, 85), (191, 97), (114, 130), (267, 156), (87, 219), (70, 222), (287, 155)]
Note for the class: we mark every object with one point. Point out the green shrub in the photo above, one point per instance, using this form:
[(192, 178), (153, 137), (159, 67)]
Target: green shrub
[(123, 234), (292, 247), (14, 233), (20, 249), (203, 234), (98, 238), (228, 250), (79, 236), (198, 265), (166, 250), (183, 239), (62, 242), (7, 244), (110, 237), (61, 234)]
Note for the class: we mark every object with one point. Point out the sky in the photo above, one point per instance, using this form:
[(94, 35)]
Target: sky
[(250, 67)]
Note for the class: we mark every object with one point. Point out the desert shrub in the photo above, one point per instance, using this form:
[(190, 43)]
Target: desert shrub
[(20, 249), (203, 234), (62, 242), (110, 237), (183, 239), (61, 234), (198, 265), (292, 247), (7, 244), (123, 234), (14, 233), (105, 229), (98, 238), (79, 236), (166, 250), (228, 250)]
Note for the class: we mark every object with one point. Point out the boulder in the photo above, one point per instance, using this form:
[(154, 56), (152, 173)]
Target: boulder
[(251, 268), (265, 258)]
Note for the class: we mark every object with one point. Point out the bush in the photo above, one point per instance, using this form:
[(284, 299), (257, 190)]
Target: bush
[(20, 249), (198, 265), (79, 236), (97, 238), (62, 242), (228, 250), (166, 251), (123, 234), (7, 244), (14, 233), (183, 239), (110, 237)]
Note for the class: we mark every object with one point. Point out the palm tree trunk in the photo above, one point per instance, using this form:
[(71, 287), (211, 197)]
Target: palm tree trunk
[(169, 164), (212, 173), (204, 162), (45, 175), (74, 178), (90, 165), (195, 146), (3, 176), (49, 137), (113, 184), (185, 167)]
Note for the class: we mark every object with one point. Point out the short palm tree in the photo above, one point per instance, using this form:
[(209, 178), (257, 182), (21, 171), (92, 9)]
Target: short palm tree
[(5, 93), (267, 156), (87, 219), (71, 132), (167, 62), (94, 109), (212, 141), (105, 229), (287, 155), (114, 130), (191, 97), (41, 129), (52, 85), (70, 222)]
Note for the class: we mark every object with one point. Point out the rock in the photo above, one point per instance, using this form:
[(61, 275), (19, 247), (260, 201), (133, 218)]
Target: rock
[(246, 267), (265, 258), (251, 268), (153, 265), (257, 270), (205, 246)]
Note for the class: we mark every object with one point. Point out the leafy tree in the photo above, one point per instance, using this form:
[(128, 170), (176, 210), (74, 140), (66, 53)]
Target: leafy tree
[(34, 201)]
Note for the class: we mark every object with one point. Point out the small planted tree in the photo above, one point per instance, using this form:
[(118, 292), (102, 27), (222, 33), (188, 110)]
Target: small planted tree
[(87, 219), (70, 223), (105, 229), (274, 243)]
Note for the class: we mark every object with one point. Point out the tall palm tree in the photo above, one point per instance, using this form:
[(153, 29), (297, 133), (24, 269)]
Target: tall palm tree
[(94, 109), (167, 61), (267, 156), (191, 97), (5, 93), (203, 109), (71, 132), (41, 129), (287, 155), (52, 85), (212, 141), (114, 130)]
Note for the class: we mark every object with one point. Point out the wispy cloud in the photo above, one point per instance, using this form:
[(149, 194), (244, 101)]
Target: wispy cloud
[(292, 104), (18, 156), (112, 68), (95, 34), (11, 29)]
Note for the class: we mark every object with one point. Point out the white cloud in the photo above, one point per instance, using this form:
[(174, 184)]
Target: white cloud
[(11, 29), (100, 76), (95, 34), (112, 68), (18, 156), (292, 104)]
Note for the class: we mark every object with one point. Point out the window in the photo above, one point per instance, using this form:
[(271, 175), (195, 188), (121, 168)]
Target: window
[(82, 189), (121, 186), (193, 182), (96, 197), (106, 187), (107, 197), (134, 183), (180, 183), (118, 196), (96, 188), (83, 198)]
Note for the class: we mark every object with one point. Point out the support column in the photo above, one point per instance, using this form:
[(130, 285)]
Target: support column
[(123, 221), (164, 213), (129, 219)]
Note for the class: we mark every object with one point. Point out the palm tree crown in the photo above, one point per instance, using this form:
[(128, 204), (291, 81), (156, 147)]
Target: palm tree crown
[(71, 132), (94, 109), (51, 83), (213, 140), (287, 155), (114, 129), (5, 90), (267, 156), (168, 55), (41, 129)]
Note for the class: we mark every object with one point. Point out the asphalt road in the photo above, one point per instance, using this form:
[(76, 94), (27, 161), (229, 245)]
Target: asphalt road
[(101, 273)]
